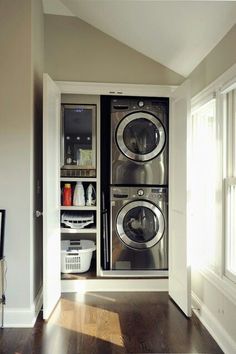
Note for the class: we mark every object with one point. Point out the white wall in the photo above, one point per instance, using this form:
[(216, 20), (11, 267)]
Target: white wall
[(18, 107)]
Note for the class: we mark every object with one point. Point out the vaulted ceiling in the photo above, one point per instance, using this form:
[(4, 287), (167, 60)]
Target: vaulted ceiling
[(177, 34)]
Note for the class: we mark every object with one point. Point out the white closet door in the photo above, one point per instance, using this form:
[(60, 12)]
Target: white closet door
[(179, 267), (51, 196)]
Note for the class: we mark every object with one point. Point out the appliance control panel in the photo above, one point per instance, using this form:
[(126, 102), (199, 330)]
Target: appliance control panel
[(130, 193)]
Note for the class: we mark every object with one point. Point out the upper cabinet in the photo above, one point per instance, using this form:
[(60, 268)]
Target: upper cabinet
[(78, 150)]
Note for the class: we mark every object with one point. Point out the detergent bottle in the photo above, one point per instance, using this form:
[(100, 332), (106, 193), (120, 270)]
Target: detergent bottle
[(79, 198), (67, 195)]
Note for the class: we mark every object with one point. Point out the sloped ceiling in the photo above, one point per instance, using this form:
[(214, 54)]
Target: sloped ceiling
[(177, 34)]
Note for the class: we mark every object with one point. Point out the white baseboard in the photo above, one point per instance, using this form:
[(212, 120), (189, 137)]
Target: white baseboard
[(83, 286), (23, 317), (214, 327)]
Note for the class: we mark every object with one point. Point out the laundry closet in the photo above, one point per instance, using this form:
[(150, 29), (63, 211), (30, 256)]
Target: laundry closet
[(118, 152)]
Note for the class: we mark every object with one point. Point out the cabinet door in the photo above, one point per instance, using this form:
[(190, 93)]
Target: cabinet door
[(179, 267), (51, 196)]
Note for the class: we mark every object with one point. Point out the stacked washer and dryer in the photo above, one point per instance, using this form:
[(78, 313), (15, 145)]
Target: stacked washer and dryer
[(139, 185)]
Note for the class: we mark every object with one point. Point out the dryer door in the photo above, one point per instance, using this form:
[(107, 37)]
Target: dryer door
[(140, 136), (140, 224)]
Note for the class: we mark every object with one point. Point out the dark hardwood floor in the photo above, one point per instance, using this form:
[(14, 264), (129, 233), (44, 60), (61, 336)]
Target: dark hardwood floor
[(111, 323)]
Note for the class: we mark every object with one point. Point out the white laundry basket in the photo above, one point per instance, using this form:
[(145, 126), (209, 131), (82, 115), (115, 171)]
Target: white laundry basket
[(76, 256)]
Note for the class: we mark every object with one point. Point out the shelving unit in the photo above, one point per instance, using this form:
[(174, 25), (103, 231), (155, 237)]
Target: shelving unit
[(82, 179), (78, 231), (78, 208), (91, 232)]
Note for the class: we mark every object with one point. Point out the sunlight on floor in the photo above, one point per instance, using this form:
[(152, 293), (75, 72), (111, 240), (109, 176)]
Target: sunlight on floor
[(82, 296), (88, 320)]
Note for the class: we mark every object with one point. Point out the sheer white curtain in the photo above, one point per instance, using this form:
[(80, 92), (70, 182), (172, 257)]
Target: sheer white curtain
[(206, 229)]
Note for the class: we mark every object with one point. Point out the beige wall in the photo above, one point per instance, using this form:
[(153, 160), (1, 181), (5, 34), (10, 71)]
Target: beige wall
[(76, 51), (21, 66), (15, 145), (221, 58)]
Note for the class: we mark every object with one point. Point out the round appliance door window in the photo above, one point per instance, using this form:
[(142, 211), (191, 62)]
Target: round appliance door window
[(140, 136), (140, 224)]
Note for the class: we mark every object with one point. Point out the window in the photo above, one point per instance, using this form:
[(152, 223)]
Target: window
[(212, 182), (230, 185), (206, 185)]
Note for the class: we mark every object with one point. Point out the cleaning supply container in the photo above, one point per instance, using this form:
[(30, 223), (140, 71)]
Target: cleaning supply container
[(90, 195), (67, 195), (76, 256), (78, 197)]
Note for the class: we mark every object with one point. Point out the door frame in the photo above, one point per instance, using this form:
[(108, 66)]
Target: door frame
[(116, 89)]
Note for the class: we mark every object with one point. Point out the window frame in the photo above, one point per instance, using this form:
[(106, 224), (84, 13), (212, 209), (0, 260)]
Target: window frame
[(218, 89), (197, 109), (229, 168)]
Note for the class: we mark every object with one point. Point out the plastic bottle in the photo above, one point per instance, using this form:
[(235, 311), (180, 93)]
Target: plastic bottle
[(90, 195), (67, 195), (79, 198), (69, 156)]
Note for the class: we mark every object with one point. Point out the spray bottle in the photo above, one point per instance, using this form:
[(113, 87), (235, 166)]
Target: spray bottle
[(90, 195)]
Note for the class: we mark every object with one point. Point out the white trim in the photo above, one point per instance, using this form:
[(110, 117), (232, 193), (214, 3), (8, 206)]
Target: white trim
[(83, 286), (223, 82), (228, 183), (202, 100), (178, 221), (23, 317), (94, 88), (98, 187), (222, 284), (220, 119), (135, 273), (231, 85), (230, 276), (217, 331), (218, 89)]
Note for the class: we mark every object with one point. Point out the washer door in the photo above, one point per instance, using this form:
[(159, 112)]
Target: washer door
[(140, 224), (140, 136)]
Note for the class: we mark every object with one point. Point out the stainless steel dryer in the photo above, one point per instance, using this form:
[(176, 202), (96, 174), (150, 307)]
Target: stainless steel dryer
[(138, 228), (139, 141)]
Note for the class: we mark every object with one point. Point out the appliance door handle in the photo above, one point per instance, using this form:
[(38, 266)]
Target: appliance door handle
[(106, 237), (105, 234)]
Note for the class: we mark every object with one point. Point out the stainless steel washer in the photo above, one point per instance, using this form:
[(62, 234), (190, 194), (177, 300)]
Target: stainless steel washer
[(139, 142), (138, 228)]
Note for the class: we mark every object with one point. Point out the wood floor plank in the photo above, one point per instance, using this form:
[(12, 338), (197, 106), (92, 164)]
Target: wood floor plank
[(112, 323)]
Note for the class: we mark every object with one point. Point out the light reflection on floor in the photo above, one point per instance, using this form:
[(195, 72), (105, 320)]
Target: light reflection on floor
[(92, 321)]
